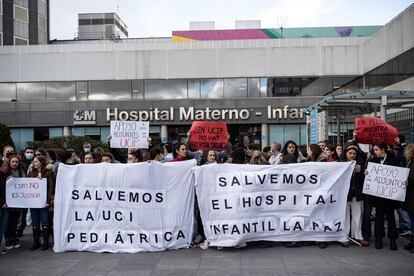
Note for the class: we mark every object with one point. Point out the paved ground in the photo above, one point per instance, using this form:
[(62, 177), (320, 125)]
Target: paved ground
[(309, 260)]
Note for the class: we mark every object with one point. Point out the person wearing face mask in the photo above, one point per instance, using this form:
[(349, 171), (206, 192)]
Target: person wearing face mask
[(87, 148), (27, 158)]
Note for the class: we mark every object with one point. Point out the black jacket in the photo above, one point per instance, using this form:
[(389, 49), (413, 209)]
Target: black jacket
[(3, 179)]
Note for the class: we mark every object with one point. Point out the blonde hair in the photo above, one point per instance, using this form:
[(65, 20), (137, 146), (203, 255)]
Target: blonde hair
[(409, 152)]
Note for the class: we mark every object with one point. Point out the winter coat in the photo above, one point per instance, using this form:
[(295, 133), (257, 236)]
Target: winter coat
[(50, 183), (356, 186), (409, 196), (3, 179)]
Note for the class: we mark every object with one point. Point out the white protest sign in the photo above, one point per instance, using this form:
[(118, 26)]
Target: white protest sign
[(386, 181), (24, 192), (124, 207), (295, 202), (129, 134)]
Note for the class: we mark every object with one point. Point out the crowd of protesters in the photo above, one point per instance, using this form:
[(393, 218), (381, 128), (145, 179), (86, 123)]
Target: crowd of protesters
[(359, 210)]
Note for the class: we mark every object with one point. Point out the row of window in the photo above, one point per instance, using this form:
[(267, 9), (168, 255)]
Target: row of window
[(22, 14), (134, 90)]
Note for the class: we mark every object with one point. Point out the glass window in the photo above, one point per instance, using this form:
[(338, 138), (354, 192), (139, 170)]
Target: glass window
[(81, 91), (263, 87), (60, 91), (92, 131), (42, 24), (22, 137), (7, 92), (31, 91), (235, 88), (253, 88), (78, 131), (21, 13), (283, 133), (110, 90), (104, 134), (83, 22), (212, 89), (20, 41), (137, 89), (55, 132), (194, 89), (165, 89), (41, 133)]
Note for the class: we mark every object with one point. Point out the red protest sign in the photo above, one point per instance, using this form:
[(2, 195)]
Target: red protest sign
[(208, 135), (372, 130)]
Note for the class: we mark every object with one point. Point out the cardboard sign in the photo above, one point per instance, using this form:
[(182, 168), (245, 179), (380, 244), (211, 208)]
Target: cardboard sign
[(129, 134), (22, 192), (372, 130), (208, 135), (295, 202), (386, 181)]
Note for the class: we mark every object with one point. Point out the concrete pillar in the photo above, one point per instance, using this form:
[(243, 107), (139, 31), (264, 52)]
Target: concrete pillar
[(383, 110), (66, 131), (265, 135), (164, 134)]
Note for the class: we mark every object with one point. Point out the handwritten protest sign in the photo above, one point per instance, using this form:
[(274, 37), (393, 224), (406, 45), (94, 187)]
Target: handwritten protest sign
[(386, 181), (129, 134), (26, 192), (372, 130), (208, 135)]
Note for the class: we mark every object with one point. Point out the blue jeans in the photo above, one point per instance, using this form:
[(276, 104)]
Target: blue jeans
[(39, 215), (4, 213), (411, 215), (404, 219)]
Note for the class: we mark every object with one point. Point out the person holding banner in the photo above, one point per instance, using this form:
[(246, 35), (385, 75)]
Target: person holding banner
[(384, 207), (290, 147), (354, 207), (41, 215), (409, 196), (14, 169), (3, 206)]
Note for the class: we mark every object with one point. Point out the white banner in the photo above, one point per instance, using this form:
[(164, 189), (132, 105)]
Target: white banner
[(124, 207), (24, 192), (296, 202), (129, 134), (386, 181)]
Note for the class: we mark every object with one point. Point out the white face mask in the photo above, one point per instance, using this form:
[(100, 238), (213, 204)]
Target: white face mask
[(29, 156), (87, 150)]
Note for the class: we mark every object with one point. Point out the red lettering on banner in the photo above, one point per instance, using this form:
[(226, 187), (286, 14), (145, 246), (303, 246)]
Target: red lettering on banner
[(208, 135), (373, 130)]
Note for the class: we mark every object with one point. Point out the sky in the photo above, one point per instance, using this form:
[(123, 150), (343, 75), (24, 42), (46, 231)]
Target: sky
[(158, 18)]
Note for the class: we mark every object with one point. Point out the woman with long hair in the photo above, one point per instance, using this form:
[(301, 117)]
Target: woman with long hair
[(40, 215), (409, 197), (290, 147), (14, 169), (354, 207), (330, 153), (179, 152), (315, 154)]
